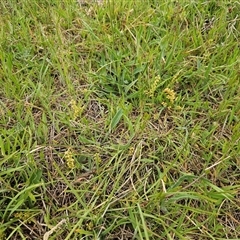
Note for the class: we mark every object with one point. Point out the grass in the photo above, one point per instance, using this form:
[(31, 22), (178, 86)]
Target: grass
[(119, 120)]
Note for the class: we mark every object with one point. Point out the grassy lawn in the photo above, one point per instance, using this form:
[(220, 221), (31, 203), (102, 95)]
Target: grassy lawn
[(120, 119)]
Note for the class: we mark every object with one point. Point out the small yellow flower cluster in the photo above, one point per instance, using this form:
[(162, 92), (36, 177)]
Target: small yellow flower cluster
[(170, 95), (89, 225), (179, 108), (68, 155), (154, 86), (23, 216), (77, 110), (131, 150), (164, 104)]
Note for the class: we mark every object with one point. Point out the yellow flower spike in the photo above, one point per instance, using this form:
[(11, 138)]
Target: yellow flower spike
[(68, 155), (97, 158), (76, 109), (154, 86), (171, 95)]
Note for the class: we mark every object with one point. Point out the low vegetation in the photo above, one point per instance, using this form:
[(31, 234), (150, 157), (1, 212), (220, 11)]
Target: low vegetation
[(119, 119)]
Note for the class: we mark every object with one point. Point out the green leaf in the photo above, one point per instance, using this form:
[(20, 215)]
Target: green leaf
[(35, 177), (31, 196), (116, 119)]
